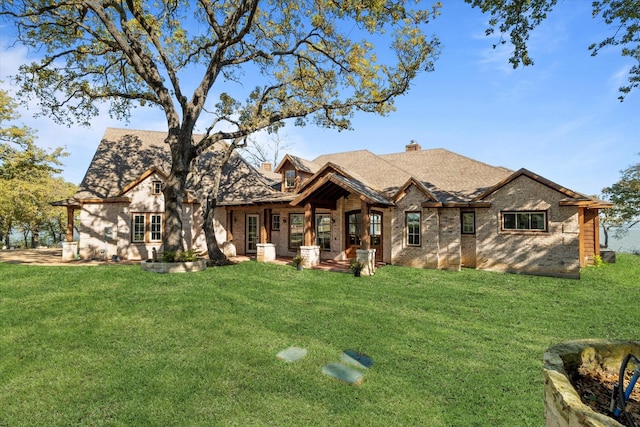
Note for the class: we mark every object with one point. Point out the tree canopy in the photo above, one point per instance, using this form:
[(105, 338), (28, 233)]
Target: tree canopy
[(28, 181), (316, 62)]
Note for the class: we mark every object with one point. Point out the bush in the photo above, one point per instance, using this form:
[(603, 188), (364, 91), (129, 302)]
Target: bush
[(356, 265), (297, 260), (185, 256), (597, 261)]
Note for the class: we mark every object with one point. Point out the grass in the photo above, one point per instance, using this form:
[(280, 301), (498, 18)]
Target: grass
[(112, 345)]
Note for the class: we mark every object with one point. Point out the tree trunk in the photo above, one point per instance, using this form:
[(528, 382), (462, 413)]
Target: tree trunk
[(606, 236), (216, 256), (35, 238), (174, 191)]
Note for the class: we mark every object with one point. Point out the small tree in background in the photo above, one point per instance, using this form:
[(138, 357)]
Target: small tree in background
[(27, 179), (625, 195)]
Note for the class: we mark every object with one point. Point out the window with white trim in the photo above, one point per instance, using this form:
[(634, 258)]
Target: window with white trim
[(138, 227), (289, 178), (524, 221), (275, 222), (156, 227), (413, 228), (156, 188), (146, 227)]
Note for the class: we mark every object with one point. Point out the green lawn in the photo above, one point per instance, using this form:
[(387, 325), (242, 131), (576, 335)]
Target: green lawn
[(112, 345)]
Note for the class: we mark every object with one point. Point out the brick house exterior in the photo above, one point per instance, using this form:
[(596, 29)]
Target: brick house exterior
[(418, 208)]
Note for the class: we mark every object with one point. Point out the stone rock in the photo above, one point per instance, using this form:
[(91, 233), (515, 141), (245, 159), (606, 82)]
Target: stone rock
[(229, 249), (292, 354), (343, 373)]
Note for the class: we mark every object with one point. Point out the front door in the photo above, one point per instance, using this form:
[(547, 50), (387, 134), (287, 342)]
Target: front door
[(353, 221), (252, 233)]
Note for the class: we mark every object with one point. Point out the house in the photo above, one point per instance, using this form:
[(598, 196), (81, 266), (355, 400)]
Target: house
[(421, 208)]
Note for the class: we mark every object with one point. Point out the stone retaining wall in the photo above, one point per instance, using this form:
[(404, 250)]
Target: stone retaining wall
[(562, 404), (174, 267)]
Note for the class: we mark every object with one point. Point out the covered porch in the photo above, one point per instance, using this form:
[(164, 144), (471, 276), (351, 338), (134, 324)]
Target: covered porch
[(361, 227)]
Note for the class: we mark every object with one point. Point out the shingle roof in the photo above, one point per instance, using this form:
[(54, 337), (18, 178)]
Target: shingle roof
[(124, 155), (450, 177)]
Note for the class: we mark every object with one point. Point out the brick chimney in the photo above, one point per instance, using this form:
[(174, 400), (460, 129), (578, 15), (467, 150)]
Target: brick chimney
[(266, 166), (413, 146)]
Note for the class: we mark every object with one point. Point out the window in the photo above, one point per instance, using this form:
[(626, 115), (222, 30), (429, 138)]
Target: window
[(147, 227), (138, 228), (375, 229), (156, 228), (468, 222), (354, 224), (275, 222), (323, 231), (156, 187), (533, 221), (289, 178), (413, 228), (296, 230)]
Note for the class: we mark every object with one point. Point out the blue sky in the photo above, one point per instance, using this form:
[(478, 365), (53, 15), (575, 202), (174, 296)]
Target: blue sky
[(559, 118)]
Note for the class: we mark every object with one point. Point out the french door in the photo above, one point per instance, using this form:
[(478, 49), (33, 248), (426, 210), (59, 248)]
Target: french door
[(252, 233), (353, 227)]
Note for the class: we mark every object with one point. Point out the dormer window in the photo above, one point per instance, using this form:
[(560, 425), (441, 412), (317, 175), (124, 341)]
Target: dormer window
[(156, 188), (289, 178)]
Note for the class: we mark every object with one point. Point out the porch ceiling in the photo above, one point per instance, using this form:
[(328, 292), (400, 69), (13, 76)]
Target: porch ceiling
[(324, 196), (326, 192)]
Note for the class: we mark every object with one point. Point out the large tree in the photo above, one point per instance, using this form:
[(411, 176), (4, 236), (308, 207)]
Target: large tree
[(265, 61)]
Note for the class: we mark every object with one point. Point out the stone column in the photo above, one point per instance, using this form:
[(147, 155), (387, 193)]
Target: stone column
[(368, 258), (311, 255), (266, 252), (69, 251)]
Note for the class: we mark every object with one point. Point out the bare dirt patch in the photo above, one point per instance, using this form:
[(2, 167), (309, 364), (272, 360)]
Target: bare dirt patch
[(44, 256)]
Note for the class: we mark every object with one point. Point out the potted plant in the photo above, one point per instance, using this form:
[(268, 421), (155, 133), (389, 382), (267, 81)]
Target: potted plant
[(297, 262), (356, 267)]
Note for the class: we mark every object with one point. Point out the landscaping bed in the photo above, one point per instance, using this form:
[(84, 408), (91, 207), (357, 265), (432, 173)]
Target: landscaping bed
[(595, 385)]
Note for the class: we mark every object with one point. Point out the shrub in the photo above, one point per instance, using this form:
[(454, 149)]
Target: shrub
[(185, 256), (356, 266), (297, 260)]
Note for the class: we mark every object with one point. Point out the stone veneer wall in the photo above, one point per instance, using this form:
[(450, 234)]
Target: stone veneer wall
[(562, 404), (555, 252), (427, 254), (449, 240)]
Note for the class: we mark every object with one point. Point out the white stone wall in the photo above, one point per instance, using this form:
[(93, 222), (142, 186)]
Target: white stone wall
[(95, 217)]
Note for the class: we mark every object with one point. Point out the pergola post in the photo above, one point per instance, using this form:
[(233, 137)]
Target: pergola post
[(309, 225), (365, 230), (69, 234)]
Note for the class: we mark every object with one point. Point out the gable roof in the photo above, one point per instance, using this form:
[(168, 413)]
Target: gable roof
[(572, 197), (124, 157), (298, 163), (332, 182)]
